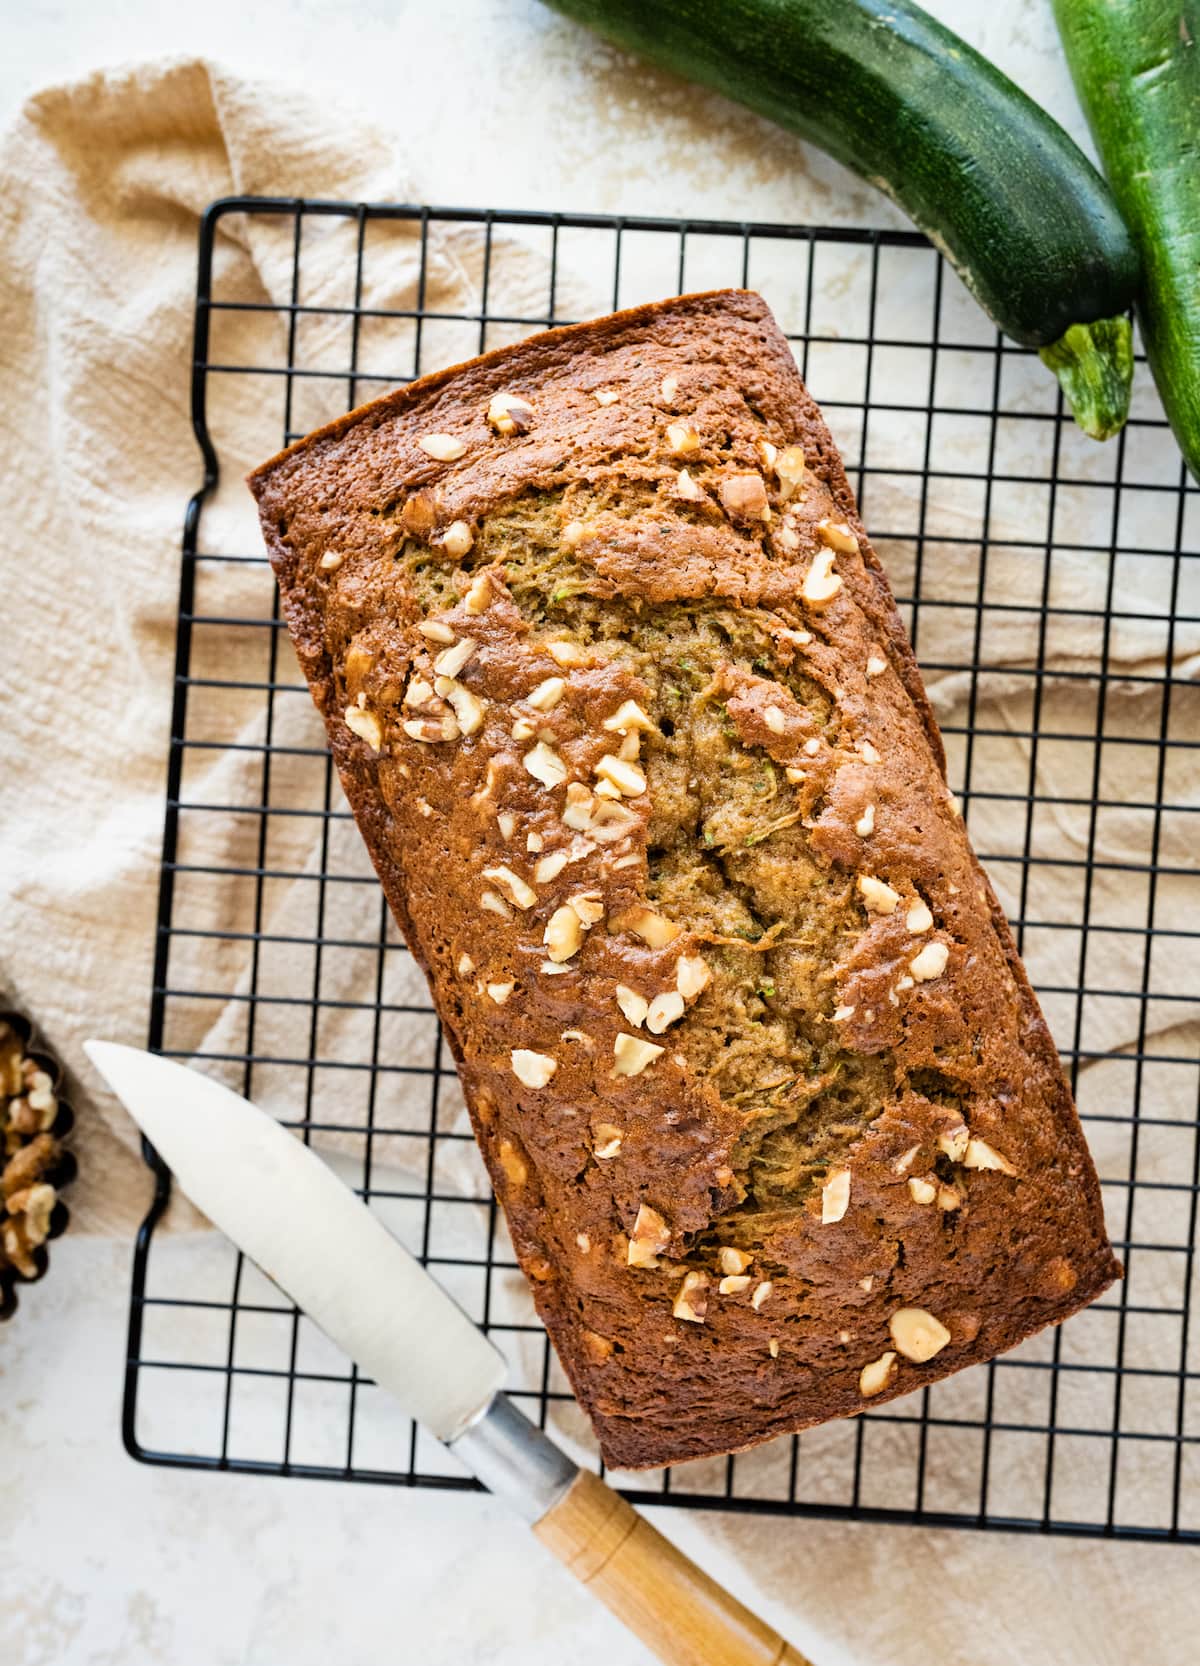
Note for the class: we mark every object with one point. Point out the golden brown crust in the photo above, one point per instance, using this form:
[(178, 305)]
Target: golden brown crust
[(574, 1158)]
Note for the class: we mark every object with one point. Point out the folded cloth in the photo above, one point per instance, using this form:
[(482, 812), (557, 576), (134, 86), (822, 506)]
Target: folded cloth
[(104, 185)]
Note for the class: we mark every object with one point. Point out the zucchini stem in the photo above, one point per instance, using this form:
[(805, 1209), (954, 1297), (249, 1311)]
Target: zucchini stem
[(1094, 366)]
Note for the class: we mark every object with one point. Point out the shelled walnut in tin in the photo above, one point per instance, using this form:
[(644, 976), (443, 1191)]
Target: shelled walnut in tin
[(29, 1108)]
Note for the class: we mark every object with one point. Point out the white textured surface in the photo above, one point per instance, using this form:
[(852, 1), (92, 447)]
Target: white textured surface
[(107, 1561)]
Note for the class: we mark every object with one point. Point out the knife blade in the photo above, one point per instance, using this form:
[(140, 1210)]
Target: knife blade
[(276, 1199)]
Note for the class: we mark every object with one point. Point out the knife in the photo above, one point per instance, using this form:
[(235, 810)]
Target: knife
[(276, 1199)]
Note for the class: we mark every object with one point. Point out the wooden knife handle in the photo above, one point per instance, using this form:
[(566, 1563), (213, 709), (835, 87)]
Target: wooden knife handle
[(685, 1617)]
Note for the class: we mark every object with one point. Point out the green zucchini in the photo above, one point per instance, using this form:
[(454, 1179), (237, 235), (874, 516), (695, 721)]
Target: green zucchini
[(1009, 199), (1136, 65)]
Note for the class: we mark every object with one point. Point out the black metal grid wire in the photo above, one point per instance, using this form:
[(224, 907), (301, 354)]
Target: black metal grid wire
[(1046, 585)]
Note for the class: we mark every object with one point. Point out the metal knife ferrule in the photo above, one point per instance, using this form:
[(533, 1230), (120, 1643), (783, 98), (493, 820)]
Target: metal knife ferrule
[(514, 1459)]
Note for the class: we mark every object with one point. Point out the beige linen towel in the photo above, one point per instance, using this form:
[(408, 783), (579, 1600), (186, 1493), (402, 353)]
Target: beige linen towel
[(104, 186)]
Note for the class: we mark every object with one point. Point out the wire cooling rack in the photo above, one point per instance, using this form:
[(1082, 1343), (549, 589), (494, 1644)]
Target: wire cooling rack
[(1052, 588)]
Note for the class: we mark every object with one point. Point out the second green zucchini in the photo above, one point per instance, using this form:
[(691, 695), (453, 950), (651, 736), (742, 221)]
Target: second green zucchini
[(1136, 65)]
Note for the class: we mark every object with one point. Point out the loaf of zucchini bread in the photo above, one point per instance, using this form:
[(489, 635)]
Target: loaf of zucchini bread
[(629, 722)]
